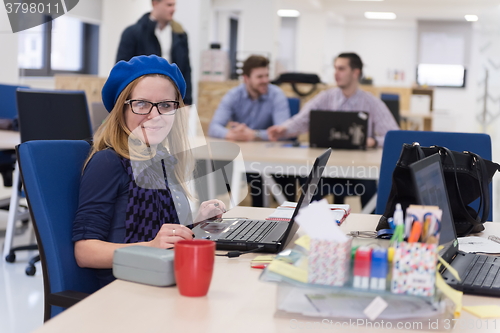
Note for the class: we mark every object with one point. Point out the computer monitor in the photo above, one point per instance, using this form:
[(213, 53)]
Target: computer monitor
[(438, 75)]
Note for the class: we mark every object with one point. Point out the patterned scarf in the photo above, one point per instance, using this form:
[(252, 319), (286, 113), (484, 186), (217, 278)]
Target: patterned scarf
[(150, 203)]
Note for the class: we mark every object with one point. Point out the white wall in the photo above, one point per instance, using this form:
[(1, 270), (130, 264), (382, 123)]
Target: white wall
[(194, 15), (89, 11), (311, 35), (258, 26), (334, 44), (116, 16), (384, 47), (9, 72), (287, 53)]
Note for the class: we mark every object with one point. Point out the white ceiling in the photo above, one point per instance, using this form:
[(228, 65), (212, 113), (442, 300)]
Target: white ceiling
[(404, 9)]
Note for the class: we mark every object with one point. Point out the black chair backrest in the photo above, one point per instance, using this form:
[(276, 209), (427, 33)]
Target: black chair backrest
[(53, 115), (392, 102)]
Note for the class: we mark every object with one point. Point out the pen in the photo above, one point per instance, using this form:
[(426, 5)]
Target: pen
[(416, 230), (426, 227), (408, 224)]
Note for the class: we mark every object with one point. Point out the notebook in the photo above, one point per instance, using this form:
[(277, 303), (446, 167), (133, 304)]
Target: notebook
[(479, 274), (266, 235), (285, 211), (338, 129)]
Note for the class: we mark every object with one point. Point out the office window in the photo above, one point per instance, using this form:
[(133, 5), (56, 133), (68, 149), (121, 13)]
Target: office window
[(444, 53), (64, 45), (67, 44), (30, 55)]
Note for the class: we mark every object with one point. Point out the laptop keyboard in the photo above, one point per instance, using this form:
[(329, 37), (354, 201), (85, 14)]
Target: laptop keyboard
[(250, 231), (483, 271)]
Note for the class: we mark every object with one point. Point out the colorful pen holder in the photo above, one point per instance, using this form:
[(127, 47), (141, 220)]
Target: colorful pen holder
[(414, 269), (328, 262)]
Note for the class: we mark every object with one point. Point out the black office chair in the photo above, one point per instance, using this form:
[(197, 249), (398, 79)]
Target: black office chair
[(48, 115)]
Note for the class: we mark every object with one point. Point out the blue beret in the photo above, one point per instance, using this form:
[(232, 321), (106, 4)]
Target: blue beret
[(125, 72)]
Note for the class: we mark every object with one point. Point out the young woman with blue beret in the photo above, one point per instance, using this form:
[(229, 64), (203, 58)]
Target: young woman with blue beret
[(133, 188)]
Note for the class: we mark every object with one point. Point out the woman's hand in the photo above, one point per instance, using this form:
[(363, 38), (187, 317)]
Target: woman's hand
[(210, 209), (170, 234)]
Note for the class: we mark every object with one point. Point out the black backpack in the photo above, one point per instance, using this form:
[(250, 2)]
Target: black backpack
[(294, 78)]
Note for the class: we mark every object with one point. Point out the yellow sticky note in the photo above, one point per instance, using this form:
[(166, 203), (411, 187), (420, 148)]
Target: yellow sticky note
[(484, 311), (304, 264), (267, 258), (288, 270), (452, 270), (304, 241), (453, 294)]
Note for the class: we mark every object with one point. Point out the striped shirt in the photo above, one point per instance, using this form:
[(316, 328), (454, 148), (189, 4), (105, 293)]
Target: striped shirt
[(380, 119)]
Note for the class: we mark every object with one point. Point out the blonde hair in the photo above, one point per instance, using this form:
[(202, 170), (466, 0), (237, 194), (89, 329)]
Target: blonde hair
[(114, 133)]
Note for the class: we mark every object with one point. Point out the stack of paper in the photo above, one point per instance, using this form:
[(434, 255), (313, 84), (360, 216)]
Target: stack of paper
[(475, 244)]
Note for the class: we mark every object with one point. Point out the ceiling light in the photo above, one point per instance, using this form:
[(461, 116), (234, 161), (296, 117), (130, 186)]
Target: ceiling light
[(380, 15), (366, 0), (288, 13), (471, 18)]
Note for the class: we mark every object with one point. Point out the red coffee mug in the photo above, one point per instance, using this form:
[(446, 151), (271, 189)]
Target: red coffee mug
[(193, 266)]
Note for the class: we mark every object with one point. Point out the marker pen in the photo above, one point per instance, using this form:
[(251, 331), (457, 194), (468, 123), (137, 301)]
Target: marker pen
[(361, 269), (416, 230), (408, 224), (378, 272)]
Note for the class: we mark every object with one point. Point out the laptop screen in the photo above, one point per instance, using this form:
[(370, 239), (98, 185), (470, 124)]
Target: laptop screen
[(431, 190), (338, 129), (307, 192)]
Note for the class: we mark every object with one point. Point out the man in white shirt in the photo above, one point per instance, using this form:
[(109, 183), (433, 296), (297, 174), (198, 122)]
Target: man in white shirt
[(346, 97)]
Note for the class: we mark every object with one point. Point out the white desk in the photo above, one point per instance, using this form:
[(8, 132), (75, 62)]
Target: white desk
[(269, 158), (9, 139), (236, 302)]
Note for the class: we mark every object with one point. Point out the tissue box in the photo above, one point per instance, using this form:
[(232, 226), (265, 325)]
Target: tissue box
[(328, 262), (144, 264), (414, 269)]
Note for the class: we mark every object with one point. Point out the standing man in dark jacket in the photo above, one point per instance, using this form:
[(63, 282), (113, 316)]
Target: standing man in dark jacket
[(157, 33)]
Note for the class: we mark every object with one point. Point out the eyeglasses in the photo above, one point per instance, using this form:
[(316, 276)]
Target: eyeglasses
[(141, 107)]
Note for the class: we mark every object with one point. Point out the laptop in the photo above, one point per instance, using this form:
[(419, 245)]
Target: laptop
[(479, 274), (338, 129), (265, 235)]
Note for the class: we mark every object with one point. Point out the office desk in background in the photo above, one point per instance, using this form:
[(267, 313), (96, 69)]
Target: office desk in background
[(268, 158), (9, 139), (236, 302)]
